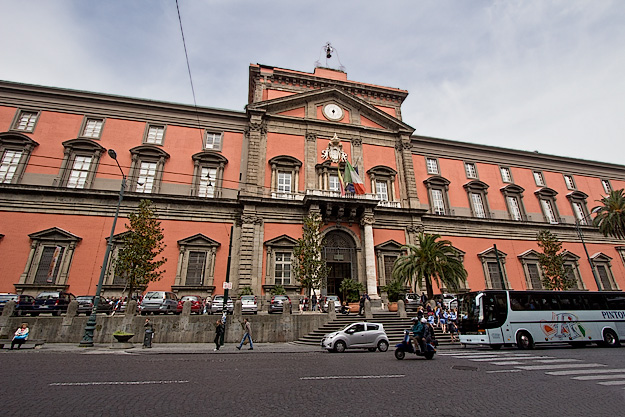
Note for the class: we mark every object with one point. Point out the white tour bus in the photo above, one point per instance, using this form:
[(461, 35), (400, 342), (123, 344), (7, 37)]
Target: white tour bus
[(525, 318)]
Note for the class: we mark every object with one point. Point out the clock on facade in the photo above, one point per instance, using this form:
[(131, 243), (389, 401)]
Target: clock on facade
[(333, 112)]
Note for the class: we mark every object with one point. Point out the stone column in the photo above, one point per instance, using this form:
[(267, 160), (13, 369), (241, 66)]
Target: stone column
[(367, 223)]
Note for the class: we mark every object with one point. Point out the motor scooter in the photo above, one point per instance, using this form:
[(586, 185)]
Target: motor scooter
[(406, 346)]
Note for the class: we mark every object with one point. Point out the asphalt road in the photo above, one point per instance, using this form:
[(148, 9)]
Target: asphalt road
[(458, 382)]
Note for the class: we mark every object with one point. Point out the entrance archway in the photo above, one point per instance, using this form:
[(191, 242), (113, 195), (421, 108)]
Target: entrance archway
[(340, 256)]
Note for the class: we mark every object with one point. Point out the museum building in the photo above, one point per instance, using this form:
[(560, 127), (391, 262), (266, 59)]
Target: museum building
[(257, 173)]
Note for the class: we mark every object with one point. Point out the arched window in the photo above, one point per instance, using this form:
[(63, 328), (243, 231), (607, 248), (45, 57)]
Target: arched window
[(80, 163), (208, 173), (513, 194), (284, 176), (495, 275), (547, 198), (580, 209), (15, 151), (477, 191), (437, 193), (146, 169), (383, 182)]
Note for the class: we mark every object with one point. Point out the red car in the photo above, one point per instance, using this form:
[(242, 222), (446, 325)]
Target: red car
[(197, 304)]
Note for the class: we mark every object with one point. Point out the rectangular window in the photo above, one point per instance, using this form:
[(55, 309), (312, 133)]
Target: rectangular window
[(496, 280), (49, 264), (534, 276), (438, 204), (432, 165), (93, 128), (208, 177), (80, 171), (8, 166), (333, 183), (603, 277), (579, 213), (212, 141), (506, 176), (284, 182), (515, 210), (389, 262), (147, 174), (381, 189), (549, 211), (26, 121), (470, 170), (478, 205), (283, 268), (570, 183), (570, 274), (538, 178), (155, 135), (607, 187), (196, 268)]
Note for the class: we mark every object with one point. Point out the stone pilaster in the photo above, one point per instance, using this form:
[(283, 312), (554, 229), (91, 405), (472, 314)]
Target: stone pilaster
[(250, 251), (404, 163), (256, 136)]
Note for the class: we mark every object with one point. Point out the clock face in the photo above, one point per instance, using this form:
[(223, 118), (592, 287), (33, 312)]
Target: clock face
[(333, 112)]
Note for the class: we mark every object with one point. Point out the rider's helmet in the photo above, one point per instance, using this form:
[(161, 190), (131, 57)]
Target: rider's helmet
[(423, 320)]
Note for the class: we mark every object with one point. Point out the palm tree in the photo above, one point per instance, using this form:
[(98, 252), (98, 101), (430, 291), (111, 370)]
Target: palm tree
[(611, 215), (430, 259)]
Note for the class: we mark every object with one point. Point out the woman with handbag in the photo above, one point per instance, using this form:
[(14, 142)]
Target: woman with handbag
[(21, 335)]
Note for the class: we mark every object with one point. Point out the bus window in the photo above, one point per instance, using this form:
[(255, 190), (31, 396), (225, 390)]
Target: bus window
[(596, 302), (548, 302), (565, 301), (518, 301), (495, 309), (615, 302)]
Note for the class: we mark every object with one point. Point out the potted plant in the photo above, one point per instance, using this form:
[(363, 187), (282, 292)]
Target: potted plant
[(393, 290), (122, 337), (351, 293)]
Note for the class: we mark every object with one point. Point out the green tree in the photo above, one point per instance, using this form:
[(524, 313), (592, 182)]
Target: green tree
[(310, 269), (611, 215), (555, 275), (351, 289), (143, 243), (430, 260)]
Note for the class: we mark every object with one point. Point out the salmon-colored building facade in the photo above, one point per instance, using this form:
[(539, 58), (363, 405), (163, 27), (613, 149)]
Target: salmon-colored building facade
[(258, 172)]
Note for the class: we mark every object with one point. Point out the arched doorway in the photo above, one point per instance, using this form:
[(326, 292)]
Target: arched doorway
[(340, 256)]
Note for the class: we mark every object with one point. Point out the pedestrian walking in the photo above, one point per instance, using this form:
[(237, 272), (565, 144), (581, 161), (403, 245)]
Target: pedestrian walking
[(314, 302), (247, 335), (219, 331), (20, 336)]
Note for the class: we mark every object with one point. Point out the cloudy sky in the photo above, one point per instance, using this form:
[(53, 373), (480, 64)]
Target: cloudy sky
[(546, 76)]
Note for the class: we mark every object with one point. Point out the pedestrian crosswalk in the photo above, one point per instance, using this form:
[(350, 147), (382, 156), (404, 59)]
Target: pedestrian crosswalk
[(513, 361)]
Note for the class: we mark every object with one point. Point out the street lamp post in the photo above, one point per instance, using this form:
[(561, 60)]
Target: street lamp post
[(87, 340), (581, 237)]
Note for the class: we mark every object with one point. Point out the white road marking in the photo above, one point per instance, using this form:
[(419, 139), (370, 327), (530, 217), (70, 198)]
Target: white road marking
[(350, 377), (585, 371), (594, 377), (612, 383), (518, 358), (503, 370), (82, 384), (557, 360), (561, 366), (506, 363)]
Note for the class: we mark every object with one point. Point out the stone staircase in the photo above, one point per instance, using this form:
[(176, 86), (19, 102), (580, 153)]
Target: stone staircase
[(394, 327)]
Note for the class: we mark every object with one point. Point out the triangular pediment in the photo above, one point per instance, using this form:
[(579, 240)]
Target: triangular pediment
[(283, 241), (54, 234), (199, 240), (309, 106), (389, 245)]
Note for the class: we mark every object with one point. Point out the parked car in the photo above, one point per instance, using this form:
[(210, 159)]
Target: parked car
[(325, 302), (249, 304), (217, 305), (277, 304), (412, 301), (157, 302), (197, 304), (55, 302), (24, 304), (85, 305), (361, 335)]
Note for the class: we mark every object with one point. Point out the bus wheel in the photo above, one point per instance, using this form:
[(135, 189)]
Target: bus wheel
[(495, 347), (610, 339), (524, 341)]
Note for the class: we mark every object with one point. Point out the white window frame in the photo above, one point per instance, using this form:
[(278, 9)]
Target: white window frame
[(282, 262), (15, 142), (213, 140), (381, 190), (26, 120), (9, 163), (432, 166), (470, 170), (539, 178), (570, 182), (154, 134), (146, 177), (548, 210), (79, 173), (92, 128), (506, 175), (438, 201), (333, 182), (207, 182), (514, 207), (607, 187)]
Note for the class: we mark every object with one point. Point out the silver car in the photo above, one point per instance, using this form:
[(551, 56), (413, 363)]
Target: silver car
[(361, 335), (249, 304), (217, 305)]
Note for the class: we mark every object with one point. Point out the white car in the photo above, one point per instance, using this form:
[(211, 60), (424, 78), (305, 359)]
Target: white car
[(249, 304), (361, 335)]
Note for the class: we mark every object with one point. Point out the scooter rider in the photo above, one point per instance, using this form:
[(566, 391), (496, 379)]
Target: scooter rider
[(418, 331)]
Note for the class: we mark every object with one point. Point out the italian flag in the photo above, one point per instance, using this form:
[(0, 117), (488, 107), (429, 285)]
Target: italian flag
[(352, 177)]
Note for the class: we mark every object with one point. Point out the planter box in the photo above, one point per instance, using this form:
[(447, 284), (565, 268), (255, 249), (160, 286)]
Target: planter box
[(392, 306)]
